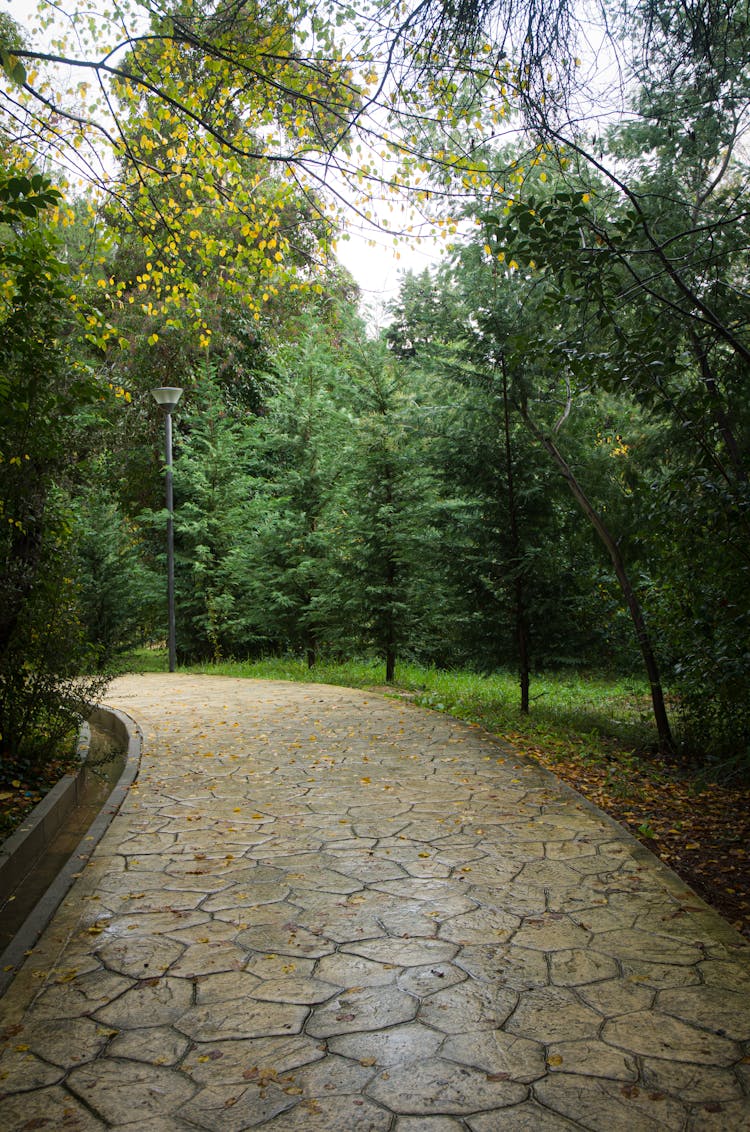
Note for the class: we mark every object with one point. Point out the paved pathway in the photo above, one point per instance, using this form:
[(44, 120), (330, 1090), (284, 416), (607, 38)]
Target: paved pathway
[(322, 910)]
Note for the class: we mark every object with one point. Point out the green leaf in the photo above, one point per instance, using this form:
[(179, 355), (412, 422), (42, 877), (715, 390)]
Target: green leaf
[(13, 67)]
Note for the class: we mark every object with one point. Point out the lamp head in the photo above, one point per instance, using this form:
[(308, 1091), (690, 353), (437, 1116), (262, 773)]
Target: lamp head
[(167, 397)]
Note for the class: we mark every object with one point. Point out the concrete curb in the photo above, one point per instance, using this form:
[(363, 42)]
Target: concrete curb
[(20, 852), (24, 847)]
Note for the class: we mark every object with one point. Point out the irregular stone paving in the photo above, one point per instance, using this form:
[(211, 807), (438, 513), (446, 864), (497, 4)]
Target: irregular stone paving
[(323, 910)]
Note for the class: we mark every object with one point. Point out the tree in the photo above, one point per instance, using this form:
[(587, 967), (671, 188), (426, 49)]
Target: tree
[(280, 553), (43, 646), (385, 515)]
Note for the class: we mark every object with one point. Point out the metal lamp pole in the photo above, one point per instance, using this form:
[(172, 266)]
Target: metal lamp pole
[(167, 397)]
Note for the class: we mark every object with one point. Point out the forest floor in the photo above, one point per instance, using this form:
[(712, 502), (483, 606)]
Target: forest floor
[(700, 828)]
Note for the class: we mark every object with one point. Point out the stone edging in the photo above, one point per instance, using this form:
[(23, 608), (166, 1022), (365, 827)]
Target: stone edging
[(24, 847)]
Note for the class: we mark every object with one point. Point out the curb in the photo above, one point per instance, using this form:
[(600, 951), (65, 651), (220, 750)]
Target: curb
[(23, 848), (20, 852)]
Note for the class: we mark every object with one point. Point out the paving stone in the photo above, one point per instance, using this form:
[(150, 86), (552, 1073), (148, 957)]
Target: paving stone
[(325, 880), (224, 987), (553, 1014), (397, 1045), (641, 945), (528, 1117), (241, 1018), (159, 1045), (299, 990), (420, 888), (609, 1106), (66, 1042), (515, 967), (80, 995), (21, 1071), (652, 1034), (140, 956), (467, 1007), (232, 1108), (659, 976), (333, 1114), (237, 898), (47, 1108), (173, 922), (484, 925), (408, 920), (713, 1008), (423, 981), (720, 1117), (498, 1054), (551, 932), (694, 1084), (365, 867), (208, 959), (154, 1002), (427, 1124), (155, 1124), (591, 1058), (731, 975), (368, 1008), (347, 970), (243, 1060), (119, 1091), (404, 952), (578, 967), (284, 939), (617, 996), (332, 1076), (438, 1087)]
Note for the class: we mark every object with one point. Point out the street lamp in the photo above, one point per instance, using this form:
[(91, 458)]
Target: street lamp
[(166, 397)]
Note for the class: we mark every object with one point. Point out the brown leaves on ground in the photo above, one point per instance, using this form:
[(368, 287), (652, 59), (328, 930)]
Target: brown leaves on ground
[(700, 829)]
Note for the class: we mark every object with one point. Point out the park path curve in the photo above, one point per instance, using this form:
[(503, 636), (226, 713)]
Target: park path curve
[(321, 910)]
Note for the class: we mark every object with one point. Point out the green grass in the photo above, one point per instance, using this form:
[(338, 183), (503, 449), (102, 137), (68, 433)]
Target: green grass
[(143, 660)]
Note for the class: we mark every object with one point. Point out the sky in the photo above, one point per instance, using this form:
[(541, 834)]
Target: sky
[(378, 272)]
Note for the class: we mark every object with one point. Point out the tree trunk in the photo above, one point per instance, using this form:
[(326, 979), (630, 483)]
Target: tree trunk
[(521, 624), (666, 742)]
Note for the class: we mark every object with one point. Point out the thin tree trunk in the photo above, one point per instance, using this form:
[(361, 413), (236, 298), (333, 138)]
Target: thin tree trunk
[(666, 742), (311, 648), (521, 624), (390, 628), (720, 414)]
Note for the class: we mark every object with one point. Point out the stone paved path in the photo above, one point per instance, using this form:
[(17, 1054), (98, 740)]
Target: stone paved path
[(322, 910)]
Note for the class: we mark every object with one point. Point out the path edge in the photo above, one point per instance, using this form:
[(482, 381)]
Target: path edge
[(126, 732)]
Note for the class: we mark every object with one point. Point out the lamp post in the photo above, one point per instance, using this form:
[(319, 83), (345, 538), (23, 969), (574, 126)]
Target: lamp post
[(167, 397)]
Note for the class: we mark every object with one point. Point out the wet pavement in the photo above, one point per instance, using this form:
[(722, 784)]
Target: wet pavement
[(319, 909)]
